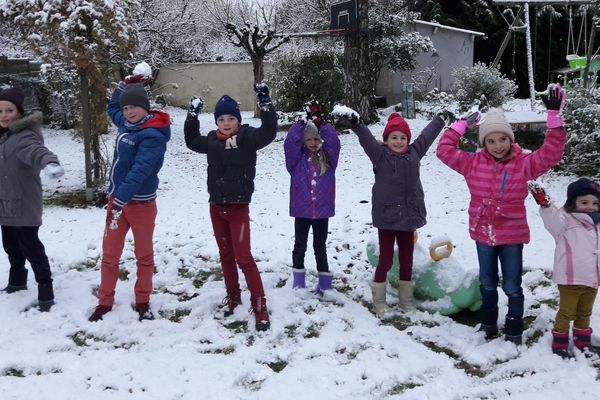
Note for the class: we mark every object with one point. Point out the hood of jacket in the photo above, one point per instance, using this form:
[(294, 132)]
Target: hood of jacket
[(28, 121)]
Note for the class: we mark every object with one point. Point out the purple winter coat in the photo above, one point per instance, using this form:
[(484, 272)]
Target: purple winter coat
[(398, 198), (311, 195)]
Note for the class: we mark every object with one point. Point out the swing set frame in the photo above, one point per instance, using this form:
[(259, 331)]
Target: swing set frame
[(516, 25)]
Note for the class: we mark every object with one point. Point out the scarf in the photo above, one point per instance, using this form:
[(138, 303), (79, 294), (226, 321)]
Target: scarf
[(132, 126), (230, 140)]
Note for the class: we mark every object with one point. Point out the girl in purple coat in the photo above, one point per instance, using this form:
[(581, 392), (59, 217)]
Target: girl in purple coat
[(398, 208), (312, 151)]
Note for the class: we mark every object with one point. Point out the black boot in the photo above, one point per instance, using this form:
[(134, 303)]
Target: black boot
[(489, 322), (17, 280), (45, 296), (513, 330)]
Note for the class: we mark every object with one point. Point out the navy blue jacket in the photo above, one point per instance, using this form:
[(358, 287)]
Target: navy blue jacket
[(231, 171), (139, 154)]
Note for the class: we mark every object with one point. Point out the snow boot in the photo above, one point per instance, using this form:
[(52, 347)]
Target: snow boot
[(299, 276), (489, 323), (261, 313), (378, 290), (513, 330), (143, 310), (17, 280), (406, 295), (99, 312), (231, 301), (583, 341), (45, 296), (560, 344), (325, 282)]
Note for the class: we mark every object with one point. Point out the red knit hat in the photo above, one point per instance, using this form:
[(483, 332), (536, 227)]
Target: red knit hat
[(396, 124)]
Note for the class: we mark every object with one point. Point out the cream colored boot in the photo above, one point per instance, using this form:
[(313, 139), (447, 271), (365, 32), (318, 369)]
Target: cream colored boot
[(378, 290), (405, 295)]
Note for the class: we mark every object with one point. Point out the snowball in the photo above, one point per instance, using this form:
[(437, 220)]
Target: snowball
[(343, 111), (196, 102), (143, 69)]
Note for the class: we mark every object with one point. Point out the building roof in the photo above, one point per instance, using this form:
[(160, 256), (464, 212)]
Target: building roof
[(450, 28)]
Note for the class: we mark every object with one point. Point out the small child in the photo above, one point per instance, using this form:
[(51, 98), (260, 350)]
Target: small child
[(138, 157), (497, 178), (312, 151), (231, 154), (22, 157), (398, 208), (576, 231)]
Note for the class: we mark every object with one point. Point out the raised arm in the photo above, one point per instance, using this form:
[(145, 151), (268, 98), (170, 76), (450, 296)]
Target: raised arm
[(427, 136), (292, 146), (331, 144), (193, 139)]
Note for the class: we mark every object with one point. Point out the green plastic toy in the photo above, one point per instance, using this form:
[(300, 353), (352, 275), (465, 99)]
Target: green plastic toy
[(442, 286)]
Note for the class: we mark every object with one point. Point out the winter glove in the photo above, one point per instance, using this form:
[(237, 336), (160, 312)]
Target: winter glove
[(114, 213), (262, 96), (196, 105), (466, 122), (554, 100), (129, 79), (447, 116), (54, 170), (313, 112), (539, 194), (346, 117)]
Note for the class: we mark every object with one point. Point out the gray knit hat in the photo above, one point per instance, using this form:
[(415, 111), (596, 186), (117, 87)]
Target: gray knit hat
[(311, 131), (495, 121), (134, 94)]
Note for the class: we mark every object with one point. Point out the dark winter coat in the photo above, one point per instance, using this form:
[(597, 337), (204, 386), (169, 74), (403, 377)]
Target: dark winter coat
[(398, 198), (312, 195), (231, 170), (139, 154), (22, 157)]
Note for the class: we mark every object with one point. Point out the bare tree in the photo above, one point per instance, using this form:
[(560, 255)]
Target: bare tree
[(252, 26)]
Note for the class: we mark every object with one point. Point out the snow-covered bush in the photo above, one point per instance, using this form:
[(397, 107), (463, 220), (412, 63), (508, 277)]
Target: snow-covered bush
[(472, 82), (61, 85), (582, 120), (435, 102), (297, 78)]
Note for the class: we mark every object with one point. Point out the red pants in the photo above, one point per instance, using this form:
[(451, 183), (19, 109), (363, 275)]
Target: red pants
[(231, 225), (140, 218), (406, 246)]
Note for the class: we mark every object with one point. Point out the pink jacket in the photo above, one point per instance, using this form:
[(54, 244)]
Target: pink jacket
[(498, 188), (577, 254)]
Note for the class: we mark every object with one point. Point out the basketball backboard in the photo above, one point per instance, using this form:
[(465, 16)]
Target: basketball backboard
[(344, 15)]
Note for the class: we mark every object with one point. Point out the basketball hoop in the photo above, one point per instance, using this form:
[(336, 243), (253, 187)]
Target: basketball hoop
[(344, 16)]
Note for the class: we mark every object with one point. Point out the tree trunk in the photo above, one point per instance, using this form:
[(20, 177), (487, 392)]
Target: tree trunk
[(258, 68), (86, 128), (359, 88)]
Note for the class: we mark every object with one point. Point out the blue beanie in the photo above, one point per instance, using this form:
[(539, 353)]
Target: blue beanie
[(227, 105)]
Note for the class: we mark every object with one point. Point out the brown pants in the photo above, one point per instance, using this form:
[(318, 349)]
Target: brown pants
[(576, 303)]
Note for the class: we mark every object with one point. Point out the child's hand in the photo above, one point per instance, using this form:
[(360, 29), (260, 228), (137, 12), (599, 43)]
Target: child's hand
[(466, 122), (262, 96), (114, 213), (196, 105), (313, 112), (539, 194), (346, 116), (447, 116), (555, 97), (54, 170)]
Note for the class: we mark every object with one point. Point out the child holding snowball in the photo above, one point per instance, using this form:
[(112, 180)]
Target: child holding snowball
[(140, 146), (398, 206), (576, 231), (497, 178), (23, 156), (312, 150)]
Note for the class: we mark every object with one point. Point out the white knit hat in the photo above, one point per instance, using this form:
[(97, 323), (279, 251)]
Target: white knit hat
[(494, 121)]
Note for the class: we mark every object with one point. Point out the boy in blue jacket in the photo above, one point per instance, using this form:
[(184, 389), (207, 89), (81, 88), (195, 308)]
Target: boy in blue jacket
[(139, 153)]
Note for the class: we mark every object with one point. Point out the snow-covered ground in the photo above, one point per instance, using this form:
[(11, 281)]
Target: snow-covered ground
[(314, 350)]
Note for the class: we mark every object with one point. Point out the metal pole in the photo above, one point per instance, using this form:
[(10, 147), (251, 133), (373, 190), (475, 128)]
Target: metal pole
[(529, 57), (589, 54), (507, 38)]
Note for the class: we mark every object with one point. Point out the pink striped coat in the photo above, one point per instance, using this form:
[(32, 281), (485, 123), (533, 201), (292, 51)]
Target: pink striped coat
[(577, 254), (498, 188)]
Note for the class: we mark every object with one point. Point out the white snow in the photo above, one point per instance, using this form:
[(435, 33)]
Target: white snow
[(143, 69), (328, 350)]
